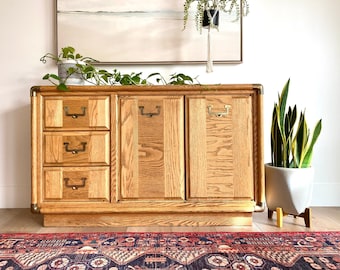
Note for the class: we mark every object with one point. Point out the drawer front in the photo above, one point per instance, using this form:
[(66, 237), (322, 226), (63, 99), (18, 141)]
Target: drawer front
[(76, 113), (76, 184), (77, 148)]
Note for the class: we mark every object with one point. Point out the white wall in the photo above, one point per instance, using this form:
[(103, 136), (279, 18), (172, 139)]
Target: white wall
[(299, 39)]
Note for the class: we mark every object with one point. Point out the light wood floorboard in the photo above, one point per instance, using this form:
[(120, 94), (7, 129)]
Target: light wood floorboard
[(323, 219)]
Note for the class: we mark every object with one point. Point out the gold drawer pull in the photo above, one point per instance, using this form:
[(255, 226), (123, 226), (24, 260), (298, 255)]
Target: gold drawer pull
[(75, 151), (75, 115), (219, 114), (75, 187), (141, 108)]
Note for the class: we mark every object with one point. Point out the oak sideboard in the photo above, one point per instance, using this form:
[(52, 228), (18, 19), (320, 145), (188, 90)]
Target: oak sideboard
[(167, 155)]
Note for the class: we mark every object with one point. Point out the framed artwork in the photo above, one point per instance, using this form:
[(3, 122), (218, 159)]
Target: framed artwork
[(144, 32)]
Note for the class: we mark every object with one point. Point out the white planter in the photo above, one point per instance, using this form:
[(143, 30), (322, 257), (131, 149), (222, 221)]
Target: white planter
[(288, 188), (75, 78)]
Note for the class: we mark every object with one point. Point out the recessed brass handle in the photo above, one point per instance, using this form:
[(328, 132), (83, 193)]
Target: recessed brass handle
[(75, 151), (150, 114), (75, 115), (75, 187), (219, 114)]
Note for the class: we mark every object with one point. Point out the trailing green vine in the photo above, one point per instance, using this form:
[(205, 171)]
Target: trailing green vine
[(85, 68)]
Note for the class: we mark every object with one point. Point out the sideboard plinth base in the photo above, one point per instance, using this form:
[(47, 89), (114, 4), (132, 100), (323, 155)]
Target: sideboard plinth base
[(129, 220)]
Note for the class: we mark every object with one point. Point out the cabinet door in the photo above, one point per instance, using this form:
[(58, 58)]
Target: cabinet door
[(152, 147), (220, 147)]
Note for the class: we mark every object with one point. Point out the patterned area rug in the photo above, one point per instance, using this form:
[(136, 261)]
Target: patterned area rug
[(312, 250)]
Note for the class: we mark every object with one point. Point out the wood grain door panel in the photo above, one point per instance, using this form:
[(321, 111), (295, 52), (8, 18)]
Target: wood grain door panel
[(152, 148), (220, 147)]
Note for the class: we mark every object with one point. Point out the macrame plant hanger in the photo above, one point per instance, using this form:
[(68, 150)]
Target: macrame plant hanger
[(209, 60), (213, 23)]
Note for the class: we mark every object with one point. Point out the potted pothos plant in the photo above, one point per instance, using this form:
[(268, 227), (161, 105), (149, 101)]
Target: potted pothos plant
[(75, 69), (207, 11), (71, 66), (289, 176)]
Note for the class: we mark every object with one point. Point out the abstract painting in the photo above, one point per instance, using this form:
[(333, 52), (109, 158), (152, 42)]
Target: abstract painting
[(150, 31)]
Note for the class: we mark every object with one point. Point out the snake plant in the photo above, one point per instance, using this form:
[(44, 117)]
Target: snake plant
[(291, 141)]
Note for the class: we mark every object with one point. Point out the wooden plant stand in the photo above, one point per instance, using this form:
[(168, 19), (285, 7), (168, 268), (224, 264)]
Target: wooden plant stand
[(280, 214)]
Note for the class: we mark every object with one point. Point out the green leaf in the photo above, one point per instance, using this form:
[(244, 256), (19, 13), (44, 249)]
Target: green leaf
[(62, 87), (309, 152), (56, 77), (67, 52), (299, 142), (136, 78), (282, 107), (71, 70), (105, 78), (46, 76)]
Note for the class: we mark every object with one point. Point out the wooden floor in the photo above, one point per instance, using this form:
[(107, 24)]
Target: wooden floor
[(323, 219)]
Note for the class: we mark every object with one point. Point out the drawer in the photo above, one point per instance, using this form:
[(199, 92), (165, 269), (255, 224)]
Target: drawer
[(76, 184), (76, 113), (76, 148)]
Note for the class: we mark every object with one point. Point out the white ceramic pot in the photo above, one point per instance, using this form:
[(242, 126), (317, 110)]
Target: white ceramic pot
[(288, 188), (75, 78)]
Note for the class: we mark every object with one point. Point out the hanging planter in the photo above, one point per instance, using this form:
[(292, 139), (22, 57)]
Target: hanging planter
[(237, 7), (207, 16), (211, 18)]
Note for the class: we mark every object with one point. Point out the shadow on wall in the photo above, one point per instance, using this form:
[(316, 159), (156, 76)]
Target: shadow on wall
[(15, 182)]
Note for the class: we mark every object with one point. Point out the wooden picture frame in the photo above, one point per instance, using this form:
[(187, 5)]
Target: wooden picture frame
[(136, 32)]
